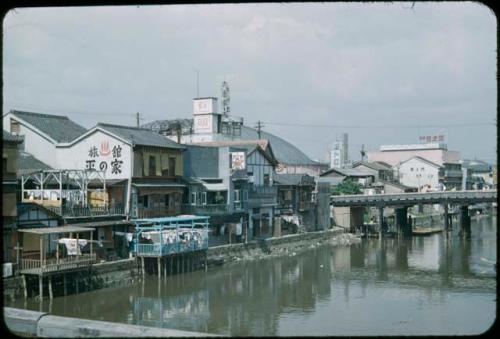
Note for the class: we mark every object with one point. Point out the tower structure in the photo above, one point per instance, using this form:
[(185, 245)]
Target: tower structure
[(226, 108)]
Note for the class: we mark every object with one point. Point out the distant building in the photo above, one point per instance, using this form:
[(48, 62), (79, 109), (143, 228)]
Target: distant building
[(436, 153), (381, 171), (479, 174), (339, 155), (420, 173), (361, 176)]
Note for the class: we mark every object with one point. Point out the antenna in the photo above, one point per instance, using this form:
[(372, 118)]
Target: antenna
[(259, 127), (197, 84)]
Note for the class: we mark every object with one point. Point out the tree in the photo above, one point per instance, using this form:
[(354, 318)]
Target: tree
[(347, 187)]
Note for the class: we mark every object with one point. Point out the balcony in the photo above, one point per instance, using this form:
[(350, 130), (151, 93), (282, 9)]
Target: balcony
[(37, 266), (86, 211), (209, 209), (262, 196)]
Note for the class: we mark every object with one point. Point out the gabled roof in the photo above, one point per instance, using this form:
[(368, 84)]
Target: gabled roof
[(373, 165), (11, 138), (476, 165), (421, 159), (262, 146), (397, 184), (57, 127), (347, 172), (139, 136)]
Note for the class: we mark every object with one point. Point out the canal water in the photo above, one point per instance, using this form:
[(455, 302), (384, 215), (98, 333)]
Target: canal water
[(432, 285)]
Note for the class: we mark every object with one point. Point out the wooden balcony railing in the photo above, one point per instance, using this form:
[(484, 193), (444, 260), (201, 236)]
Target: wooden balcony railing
[(37, 266), (87, 211)]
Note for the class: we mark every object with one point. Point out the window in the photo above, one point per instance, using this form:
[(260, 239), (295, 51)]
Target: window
[(411, 169), (422, 169), (266, 180), (193, 198), (4, 165), (171, 166), (152, 165), (167, 200), (145, 200), (14, 127), (204, 198), (237, 195)]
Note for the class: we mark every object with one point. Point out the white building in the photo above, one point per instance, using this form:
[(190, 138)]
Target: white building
[(420, 173), (339, 156)]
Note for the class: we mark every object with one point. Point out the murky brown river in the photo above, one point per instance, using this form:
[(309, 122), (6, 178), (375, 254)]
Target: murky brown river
[(423, 286)]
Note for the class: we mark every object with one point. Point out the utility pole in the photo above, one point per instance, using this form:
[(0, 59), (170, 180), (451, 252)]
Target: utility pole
[(259, 127), (137, 117), (363, 153)]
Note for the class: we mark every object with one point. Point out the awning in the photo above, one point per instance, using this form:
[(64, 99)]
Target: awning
[(165, 184), (215, 187), (148, 188), (56, 229)]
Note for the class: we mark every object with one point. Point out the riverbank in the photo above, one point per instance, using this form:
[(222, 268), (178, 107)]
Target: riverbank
[(288, 245), (127, 271)]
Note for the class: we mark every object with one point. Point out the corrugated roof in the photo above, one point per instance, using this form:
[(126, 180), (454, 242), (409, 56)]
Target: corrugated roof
[(284, 151), (8, 137), (140, 136), (60, 128), (331, 180), (476, 165), (27, 163)]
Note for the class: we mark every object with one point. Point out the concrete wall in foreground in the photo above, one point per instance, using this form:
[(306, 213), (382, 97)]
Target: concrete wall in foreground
[(30, 323)]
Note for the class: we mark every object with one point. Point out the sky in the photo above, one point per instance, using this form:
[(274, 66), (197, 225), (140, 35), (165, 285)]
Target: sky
[(385, 73)]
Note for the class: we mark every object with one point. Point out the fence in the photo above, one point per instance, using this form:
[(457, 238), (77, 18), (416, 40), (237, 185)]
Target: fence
[(53, 265)]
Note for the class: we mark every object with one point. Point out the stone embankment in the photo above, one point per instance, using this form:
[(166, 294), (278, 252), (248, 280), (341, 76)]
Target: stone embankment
[(288, 245)]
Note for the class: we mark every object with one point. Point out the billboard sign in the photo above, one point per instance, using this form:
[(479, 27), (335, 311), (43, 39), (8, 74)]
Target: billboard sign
[(237, 160)]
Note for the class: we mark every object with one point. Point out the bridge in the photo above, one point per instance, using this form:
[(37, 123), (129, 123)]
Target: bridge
[(410, 199), (404, 200)]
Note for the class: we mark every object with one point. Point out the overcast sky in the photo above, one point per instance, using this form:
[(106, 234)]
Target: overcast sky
[(324, 69)]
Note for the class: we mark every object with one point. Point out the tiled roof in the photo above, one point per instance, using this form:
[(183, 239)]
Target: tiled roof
[(140, 136), (60, 128), (476, 165), (27, 163), (11, 138), (373, 165)]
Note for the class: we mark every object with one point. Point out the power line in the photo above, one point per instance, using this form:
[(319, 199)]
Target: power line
[(381, 126)]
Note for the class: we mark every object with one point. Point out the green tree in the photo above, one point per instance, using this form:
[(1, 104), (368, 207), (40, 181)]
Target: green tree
[(347, 187)]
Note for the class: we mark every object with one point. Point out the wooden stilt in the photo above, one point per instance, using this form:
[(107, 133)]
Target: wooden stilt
[(65, 285), (142, 267), (25, 287), (76, 282), (159, 267), (177, 264), (40, 286), (51, 296), (206, 268), (165, 267)]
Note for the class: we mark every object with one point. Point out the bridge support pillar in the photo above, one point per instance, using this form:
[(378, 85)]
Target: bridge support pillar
[(402, 221), (446, 218), (465, 221), (382, 227)]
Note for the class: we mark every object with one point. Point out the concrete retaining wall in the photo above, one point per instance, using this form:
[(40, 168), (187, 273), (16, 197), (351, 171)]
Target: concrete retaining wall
[(41, 324), (262, 248)]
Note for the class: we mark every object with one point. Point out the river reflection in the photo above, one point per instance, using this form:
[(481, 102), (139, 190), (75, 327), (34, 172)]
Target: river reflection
[(425, 286)]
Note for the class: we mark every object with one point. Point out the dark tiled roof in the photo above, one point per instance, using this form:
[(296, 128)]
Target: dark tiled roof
[(140, 136), (27, 163), (60, 128), (11, 138)]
